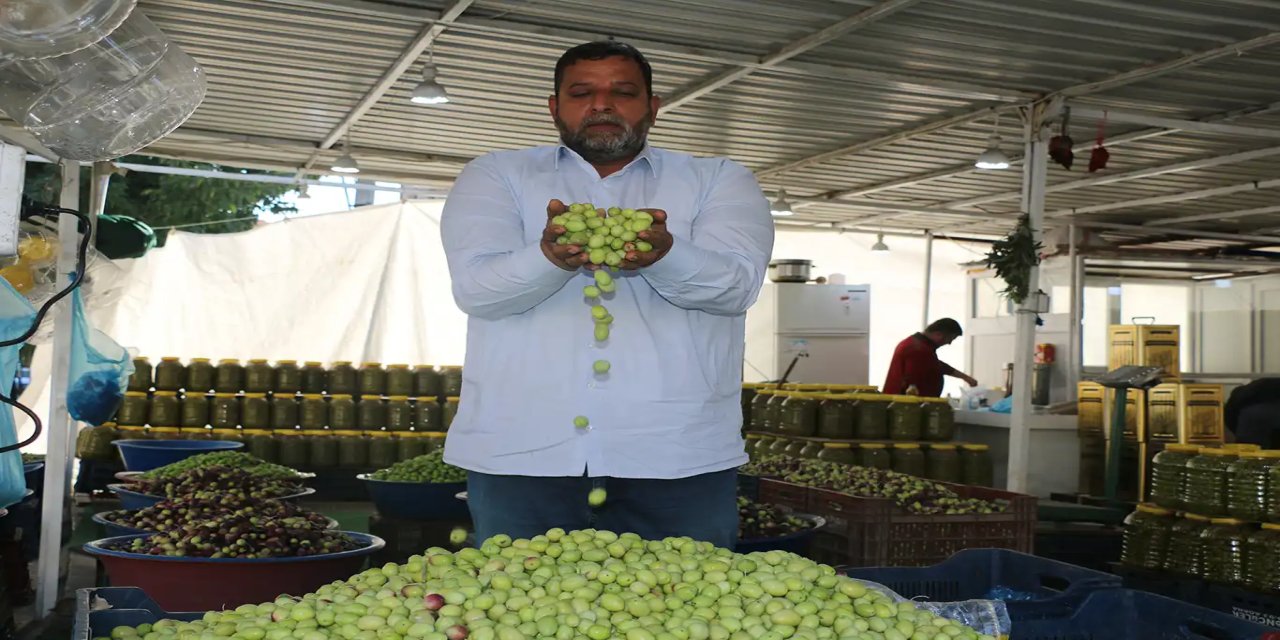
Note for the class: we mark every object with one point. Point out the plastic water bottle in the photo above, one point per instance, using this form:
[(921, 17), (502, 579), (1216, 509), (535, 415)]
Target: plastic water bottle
[(108, 99), (32, 29)]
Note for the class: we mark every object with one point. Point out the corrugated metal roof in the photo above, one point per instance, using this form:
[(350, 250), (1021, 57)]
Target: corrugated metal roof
[(284, 73)]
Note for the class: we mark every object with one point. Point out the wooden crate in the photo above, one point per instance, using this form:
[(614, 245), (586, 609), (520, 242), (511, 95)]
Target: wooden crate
[(1155, 345), (1201, 413), (1135, 415), (1091, 408), (1186, 413)]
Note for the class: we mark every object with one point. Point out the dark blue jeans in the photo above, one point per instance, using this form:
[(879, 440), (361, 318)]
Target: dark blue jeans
[(702, 507)]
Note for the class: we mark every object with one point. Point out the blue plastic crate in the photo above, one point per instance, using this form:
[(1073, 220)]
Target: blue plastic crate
[(1125, 614), (973, 573), (129, 606)]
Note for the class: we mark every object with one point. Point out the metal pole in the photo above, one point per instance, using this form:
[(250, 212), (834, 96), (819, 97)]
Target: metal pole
[(928, 277), (1075, 340), (59, 428), (1033, 185)]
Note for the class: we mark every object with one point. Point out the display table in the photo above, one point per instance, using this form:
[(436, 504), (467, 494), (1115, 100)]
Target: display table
[(1054, 461)]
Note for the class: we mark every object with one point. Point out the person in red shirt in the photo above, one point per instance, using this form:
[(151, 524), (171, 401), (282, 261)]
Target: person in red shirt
[(915, 362)]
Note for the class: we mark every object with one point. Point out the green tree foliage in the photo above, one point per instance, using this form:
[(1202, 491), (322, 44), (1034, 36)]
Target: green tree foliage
[(217, 206)]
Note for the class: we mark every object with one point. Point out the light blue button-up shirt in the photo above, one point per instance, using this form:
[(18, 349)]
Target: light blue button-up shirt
[(669, 407)]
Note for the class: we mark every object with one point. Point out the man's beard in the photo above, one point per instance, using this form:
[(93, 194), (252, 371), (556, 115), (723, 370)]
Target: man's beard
[(605, 146)]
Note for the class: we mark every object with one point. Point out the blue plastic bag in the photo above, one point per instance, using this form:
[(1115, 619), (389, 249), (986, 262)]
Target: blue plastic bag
[(16, 316), (100, 370), (1005, 405)]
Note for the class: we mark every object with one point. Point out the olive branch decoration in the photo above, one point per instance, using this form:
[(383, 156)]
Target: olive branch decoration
[(1013, 257)]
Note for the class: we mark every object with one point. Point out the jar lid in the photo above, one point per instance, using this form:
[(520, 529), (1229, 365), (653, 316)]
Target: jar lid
[(1183, 448), (399, 398), (836, 445), (364, 398), (171, 359), (224, 395), (943, 447), (286, 362), (397, 366), (1267, 454), (380, 434), (451, 367), (259, 361), (805, 386), (975, 447), (905, 399), (200, 360), (282, 432), (425, 366), (766, 392), (853, 387), (1271, 526), (141, 359), (433, 434), (107, 424), (871, 397), (315, 433), (1234, 522), (166, 394), (342, 363), (256, 432), (228, 361), (165, 429), (1196, 517), (347, 432), (1210, 451), (224, 431), (131, 427), (935, 400), (906, 445), (313, 396), (255, 395), (313, 363), (427, 399), (371, 365), (338, 396), (1154, 510), (135, 394), (453, 399), (754, 436), (872, 445)]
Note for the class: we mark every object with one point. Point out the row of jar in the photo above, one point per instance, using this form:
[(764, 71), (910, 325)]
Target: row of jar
[(956, 463), (1236, 480), (300, 449), (860, 416), (750, 389), (1225, 550), (311, 411), (286, 376)]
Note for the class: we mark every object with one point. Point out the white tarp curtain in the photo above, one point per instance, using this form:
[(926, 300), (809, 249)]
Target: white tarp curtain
[(372, 285)]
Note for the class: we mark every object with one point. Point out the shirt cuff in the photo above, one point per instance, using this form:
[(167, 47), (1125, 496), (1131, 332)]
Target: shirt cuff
[(680, 263), (532, 265)]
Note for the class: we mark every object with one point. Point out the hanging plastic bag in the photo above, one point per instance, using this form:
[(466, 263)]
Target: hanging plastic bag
[(100, 369), (16, 316)]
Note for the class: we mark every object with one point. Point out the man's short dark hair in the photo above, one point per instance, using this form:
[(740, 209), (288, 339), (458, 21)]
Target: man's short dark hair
[(945, 326), (600, 50)]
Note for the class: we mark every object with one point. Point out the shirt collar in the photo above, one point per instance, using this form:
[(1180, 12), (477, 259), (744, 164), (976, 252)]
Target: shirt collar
[(923, 337), (647, 155)]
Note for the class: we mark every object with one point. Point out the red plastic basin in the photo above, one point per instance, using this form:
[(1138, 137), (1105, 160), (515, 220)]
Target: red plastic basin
[(206, 584)]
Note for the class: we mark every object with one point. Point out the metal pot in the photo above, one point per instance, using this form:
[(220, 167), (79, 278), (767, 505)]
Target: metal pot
[(790, 270)]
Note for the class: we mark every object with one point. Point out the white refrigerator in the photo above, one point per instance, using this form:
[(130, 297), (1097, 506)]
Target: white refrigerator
[(828, 325)]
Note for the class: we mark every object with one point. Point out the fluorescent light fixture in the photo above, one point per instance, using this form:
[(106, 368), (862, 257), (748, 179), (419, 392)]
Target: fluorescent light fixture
[(780, 207), (993, 157), (880, 245), (429, 91)]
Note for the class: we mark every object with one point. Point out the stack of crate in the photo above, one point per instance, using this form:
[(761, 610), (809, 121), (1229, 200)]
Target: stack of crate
[(1169, 413)]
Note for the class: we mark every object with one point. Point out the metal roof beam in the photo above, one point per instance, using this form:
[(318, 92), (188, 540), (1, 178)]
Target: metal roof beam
[(718, 79), (1118, 80), (408, 56), (1221, 215), (1112, 141), (1136, 174), (1153, 120), (272, 142), (1209, 235), (1255, 185)]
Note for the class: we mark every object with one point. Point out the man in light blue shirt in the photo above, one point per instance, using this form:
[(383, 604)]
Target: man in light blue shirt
[(538, 428)]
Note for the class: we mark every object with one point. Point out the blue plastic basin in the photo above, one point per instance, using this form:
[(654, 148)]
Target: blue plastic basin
[(797, 543), (145, 455), (134, 500), (204, 584), (416, 500)]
